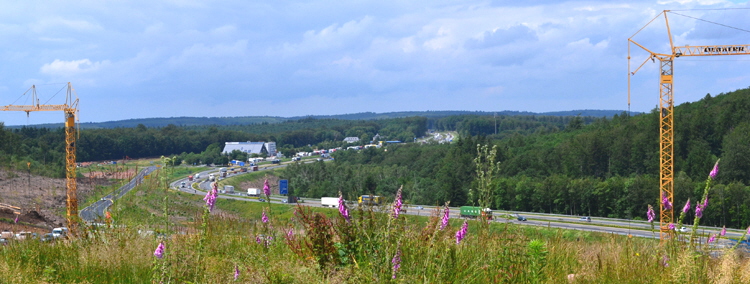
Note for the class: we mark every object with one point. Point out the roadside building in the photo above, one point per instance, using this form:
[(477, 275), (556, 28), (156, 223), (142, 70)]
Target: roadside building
[(267, 148), (351, 139)]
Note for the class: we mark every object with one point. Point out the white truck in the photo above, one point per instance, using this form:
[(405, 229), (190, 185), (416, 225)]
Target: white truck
[(253, 192), (59, 232), (211, 177), (228, 189), (332, 202)]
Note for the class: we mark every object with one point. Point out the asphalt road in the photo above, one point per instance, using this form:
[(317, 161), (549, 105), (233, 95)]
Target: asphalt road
[(95, 211)]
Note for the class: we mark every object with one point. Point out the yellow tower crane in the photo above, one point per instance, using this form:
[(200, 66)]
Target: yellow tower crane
[(666, 106), (70, 108)]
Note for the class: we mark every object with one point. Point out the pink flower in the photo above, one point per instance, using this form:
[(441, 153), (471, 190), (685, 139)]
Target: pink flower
[(342, 207), (446, 217), (236, 272), (705, 203), (266, 188), (461, 234), (397, 204), (671, 226), (159, 252), (650, 215), (16, 221), (665, 201), (665, 261), (396, 261), (712, 238), (264, 218), (699, 211), (687, 207), (714, 171), (211, 196), (290, 234), (723, 231)]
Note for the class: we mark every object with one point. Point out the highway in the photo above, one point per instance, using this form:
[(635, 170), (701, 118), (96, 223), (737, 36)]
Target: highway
[(597, 224)]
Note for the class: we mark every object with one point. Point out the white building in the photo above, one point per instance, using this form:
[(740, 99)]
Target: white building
[(351, 139), (268, 148)]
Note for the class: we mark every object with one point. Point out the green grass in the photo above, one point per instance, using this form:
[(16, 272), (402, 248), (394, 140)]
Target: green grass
[(324, 248)]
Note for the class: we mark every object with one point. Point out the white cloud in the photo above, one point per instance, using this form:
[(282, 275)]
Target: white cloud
[(71, 68)]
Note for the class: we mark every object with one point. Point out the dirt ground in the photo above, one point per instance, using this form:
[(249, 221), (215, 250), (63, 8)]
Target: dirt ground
[(41, 199)]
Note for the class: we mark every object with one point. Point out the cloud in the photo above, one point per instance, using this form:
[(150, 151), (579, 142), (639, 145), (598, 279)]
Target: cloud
[(499, 37), (71, 68)]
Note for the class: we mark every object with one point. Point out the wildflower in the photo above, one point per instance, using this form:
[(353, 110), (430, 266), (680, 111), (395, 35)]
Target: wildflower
[(712, 238), (671, 226), (107, 215), (665, 261), (397, 204), (290, 234), (446, 216), (714, 171), (264, 218), (723, 231), (159, 252), (342, 207), (16, 221), (236, 272), (687, 207), (705, 203), (258, 239), (461, 234), (665, 201), (650, 214), (211, 196), (396, 261), (266, 188), (699, 211)]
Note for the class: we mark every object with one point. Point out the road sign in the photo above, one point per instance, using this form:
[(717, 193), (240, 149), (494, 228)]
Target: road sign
[(284, 186)]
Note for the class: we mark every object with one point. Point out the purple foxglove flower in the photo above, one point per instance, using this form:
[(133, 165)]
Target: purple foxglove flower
[(714, 171), (159, 252), (396, 261), (748, 230), (290, 234), (16, 221), (236, 272), (699, 211), (711, 239), (342, 207), (266, 188), (461, 234), (723, 231), (650, 215), (446, 217), (258, 239), (665, 261), (211, 197), (264, 218), (687, 207), (397, 204), (671, 226), (665, 201)]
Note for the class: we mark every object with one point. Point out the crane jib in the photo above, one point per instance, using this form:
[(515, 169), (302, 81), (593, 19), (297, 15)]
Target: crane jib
[(724, 49)]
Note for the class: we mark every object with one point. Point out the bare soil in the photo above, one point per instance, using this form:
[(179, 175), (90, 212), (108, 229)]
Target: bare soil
[(41, 199)]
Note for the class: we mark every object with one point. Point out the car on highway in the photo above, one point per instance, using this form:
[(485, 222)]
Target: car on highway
[(261, 200), (182, 184), (420, 207), (682, 229), (520, 218), (585, 219)]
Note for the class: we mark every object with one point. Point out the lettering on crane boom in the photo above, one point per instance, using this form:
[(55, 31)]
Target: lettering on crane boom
[(724, 49)]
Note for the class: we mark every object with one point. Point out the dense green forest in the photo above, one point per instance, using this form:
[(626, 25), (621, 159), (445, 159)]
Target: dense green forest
[(606, 166)]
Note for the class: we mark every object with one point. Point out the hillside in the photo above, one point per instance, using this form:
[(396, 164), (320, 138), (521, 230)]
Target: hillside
[(245, 120)]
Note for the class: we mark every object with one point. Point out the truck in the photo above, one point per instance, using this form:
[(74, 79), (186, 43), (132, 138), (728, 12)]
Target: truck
[(197, 176), (190, 178), (59, 232), (243, 169), (332, 202), (253, 192), (475, 211), (211, 177), (255, 168), (228, 189), (369, 200), (223, 170)]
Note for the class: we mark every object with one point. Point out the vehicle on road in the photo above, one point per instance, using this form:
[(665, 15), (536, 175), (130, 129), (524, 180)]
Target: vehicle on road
[(585, 219), (182, 184), (47, 237), (520, 218), (332, 202), (682, 229), (197, 176), (261, 200), (420, 207), (253, 192), (475, 212), (296, 159), (276, 161), (190, 178), (369, 200), (59, 232), (211, 177)]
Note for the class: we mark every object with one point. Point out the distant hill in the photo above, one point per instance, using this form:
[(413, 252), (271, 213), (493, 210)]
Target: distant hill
[(245, 120)]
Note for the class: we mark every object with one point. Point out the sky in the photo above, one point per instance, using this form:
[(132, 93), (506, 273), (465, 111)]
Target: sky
[(143, 59)]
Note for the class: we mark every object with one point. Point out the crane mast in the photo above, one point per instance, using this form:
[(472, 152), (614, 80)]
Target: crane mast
[(70, 110), (666, 112)]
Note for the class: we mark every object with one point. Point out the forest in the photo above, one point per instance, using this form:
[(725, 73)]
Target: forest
[(580, 165)]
